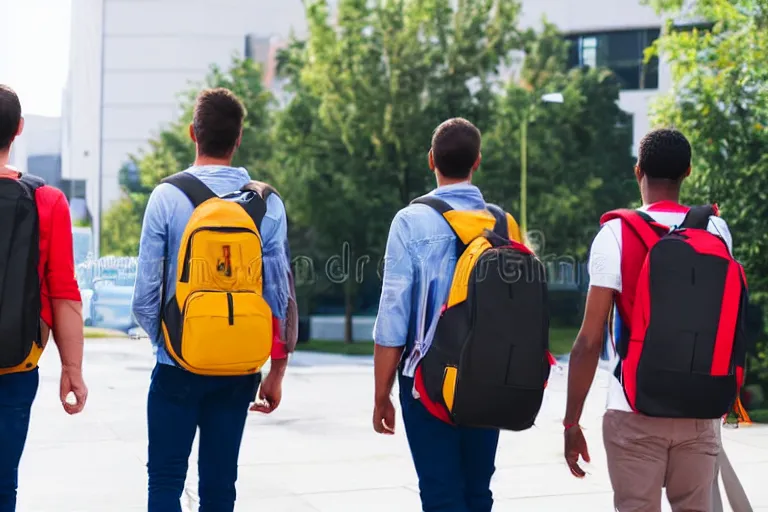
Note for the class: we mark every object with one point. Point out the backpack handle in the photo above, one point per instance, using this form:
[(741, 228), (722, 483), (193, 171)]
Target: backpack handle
[(698, 217)]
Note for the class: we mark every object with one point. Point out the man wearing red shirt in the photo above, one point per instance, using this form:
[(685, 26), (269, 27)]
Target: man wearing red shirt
[(58, 300)]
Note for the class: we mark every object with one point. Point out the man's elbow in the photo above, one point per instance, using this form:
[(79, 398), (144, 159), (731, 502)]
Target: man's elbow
[(587, 344)]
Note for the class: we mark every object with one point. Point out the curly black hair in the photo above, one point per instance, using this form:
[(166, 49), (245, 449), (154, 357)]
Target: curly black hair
[(665, 154)]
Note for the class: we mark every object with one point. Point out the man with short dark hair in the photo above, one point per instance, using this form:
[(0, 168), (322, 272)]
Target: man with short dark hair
[(644, 453), (180, 402), (39, 295), (454, 464)]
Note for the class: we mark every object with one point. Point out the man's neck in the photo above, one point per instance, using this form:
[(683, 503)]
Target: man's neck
[(661, 191), (5, 157), (203, 160), (444, 182)]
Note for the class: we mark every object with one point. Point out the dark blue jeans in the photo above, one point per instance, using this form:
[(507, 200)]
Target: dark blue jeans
[(17, 392), (454, 464), (179, 403)]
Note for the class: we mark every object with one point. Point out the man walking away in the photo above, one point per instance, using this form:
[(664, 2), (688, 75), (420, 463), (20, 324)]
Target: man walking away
[(454, 462), (212, 286), (38, 293), (672, 379)]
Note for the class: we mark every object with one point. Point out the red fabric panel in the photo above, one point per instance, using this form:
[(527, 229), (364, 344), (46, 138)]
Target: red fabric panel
[(726, 330), (640, 318), (437, 410), (278, 346)]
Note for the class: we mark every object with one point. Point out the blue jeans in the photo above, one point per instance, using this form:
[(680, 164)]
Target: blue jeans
[(17, 392), (179, 403), (454, 464)]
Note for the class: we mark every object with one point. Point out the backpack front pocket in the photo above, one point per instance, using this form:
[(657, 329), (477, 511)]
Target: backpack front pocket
[(226, 333)]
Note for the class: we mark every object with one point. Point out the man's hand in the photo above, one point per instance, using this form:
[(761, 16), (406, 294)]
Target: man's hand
[(271, 389), (384, 416), (72, 382), (575, 447)]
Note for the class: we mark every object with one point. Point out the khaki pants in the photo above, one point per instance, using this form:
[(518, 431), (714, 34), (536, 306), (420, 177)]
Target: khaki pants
[(646, 454), (737, 498)]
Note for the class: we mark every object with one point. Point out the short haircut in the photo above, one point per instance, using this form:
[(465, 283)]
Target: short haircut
[(665, 154), (218, 122), (456, 147), (10, 116)]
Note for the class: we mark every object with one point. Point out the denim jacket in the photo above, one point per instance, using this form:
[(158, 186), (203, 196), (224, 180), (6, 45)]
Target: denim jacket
[(419, 263), (165, 219)]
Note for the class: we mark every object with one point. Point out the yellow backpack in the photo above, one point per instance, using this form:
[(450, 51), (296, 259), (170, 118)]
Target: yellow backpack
[(218, 322)]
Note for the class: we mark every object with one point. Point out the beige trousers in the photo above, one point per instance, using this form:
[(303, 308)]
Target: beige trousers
[(647, 454), (734, 491)]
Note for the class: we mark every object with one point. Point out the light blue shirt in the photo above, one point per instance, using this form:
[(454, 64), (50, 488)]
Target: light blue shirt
[(165, 219), (419, 263)]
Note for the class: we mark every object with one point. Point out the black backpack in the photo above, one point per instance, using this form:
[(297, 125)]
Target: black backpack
[(19, 278), (489, 361)]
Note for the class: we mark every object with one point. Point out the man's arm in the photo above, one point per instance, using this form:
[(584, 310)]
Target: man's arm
[(274, 235), (390, 331), (605, 281), (586, 351), (66, 307), (147, 294)]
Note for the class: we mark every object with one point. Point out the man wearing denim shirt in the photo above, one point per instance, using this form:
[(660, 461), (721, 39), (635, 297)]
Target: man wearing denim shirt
[(454, 464), (180, 402)]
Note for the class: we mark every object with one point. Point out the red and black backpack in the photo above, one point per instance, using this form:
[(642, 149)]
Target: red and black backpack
[(684, 300)]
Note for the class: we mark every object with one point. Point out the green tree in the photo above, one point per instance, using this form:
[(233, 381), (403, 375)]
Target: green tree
[(367, 91), (173, 151), (719, 100), (579, 151)]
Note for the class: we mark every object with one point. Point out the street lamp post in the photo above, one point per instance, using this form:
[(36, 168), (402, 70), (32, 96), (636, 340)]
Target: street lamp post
[(547, 98)]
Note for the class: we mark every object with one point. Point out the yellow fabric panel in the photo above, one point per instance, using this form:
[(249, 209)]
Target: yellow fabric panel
[(449, 386), (31, 360), (464, 267), (513, 229), (219, 260), (468, 225), (224, 344)]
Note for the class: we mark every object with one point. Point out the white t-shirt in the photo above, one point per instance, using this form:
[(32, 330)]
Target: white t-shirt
[(605, 272)]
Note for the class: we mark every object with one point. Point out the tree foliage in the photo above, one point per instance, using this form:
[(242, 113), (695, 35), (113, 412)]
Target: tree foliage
[(719, 99), (579, 152)]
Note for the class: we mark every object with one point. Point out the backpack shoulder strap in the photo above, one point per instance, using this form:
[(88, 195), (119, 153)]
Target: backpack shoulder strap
[(30, 183), (191, 186), (647, 230), (501, 228), (435, 203), (698, 217), (442, 208)]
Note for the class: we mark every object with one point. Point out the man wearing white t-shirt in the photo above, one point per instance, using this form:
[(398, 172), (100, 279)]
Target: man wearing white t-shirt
[(645, 454)]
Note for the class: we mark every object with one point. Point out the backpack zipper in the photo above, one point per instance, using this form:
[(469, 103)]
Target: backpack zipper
[(231, 306)]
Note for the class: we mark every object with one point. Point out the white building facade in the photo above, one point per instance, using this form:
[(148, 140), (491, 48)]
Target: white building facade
[(131, 58)]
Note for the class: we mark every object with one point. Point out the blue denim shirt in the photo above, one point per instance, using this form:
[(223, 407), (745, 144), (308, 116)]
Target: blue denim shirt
[(419, 263), (165, 219)]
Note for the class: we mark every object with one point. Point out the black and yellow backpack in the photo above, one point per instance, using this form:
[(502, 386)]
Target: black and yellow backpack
[(218, 322), (489, 361)]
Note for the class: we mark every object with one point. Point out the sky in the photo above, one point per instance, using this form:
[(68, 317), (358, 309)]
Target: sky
[(34, 52)]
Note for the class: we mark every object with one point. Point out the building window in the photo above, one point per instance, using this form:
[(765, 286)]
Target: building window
[(622, 52), (73, 189)]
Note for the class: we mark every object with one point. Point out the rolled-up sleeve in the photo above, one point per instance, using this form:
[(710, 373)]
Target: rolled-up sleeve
[(147, 293), (274, 235), (391, 326)]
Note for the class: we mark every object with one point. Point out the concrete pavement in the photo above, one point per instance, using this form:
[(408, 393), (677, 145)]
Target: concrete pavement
[(317, 453)]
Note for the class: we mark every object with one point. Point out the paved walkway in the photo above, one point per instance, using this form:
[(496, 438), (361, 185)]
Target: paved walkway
[(317, 453)]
